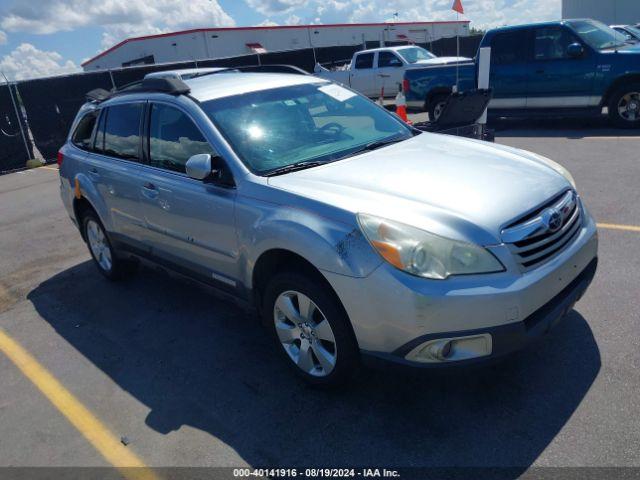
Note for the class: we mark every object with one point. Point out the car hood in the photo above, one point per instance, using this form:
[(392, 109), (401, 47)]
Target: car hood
[(630, 48), (457, 187)]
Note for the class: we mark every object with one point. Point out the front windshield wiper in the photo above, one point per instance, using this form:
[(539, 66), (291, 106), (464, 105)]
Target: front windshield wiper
[(294, 167), (615, 45), (374, 146), (314, 163)]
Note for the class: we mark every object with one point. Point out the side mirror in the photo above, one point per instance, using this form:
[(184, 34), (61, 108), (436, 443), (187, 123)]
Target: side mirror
[(575, 50), (199, 166)]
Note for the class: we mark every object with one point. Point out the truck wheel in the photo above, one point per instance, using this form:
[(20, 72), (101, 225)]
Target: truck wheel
[(624, 106), (104, 256), (311, 329), (436, 105)]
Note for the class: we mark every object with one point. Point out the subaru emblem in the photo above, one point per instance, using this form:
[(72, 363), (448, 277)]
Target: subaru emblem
[(554, 220)]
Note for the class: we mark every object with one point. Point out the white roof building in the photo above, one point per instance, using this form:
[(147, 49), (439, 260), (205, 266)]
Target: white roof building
[(212, 43)]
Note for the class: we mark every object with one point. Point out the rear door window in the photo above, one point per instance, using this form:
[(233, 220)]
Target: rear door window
[(122, 131), (173, 138), (509, 48), (364, 61), (83, 133)]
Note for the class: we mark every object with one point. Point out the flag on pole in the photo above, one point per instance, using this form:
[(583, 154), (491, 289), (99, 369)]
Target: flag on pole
[(457, 7)]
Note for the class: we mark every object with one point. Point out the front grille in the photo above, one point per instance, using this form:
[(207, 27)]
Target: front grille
[(533, 242)]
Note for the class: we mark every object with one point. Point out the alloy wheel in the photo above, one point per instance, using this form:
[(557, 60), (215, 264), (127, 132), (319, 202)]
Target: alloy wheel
[(629, 107), (437, 110), (305, 333), (99, 245)]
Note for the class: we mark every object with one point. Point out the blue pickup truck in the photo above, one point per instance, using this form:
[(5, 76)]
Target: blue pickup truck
[(571, 67)]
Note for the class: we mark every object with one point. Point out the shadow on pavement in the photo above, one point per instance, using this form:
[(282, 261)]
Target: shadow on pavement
[(196, 360), (572, 128)]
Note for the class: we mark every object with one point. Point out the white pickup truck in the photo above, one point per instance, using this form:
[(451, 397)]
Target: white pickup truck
[(372, 70)]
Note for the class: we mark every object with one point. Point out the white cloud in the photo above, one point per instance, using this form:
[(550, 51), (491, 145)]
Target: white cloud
[(26, 61), (482, 13), (293, 20), (119, 18), (274, 7), (3, 38), (267, 23)]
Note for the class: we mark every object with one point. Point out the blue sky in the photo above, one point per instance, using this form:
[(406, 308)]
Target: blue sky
[(48, 37)]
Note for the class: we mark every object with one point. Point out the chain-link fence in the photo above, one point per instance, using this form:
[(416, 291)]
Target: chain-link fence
[(35, 115)]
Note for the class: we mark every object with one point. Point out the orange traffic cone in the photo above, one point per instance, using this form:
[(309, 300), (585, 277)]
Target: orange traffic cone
[(401, 107)]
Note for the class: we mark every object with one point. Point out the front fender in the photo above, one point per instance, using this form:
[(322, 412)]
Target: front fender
[(327, 244)]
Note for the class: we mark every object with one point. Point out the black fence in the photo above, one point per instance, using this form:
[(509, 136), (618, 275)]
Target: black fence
[(47, 106), (446, 47), (13, 147)]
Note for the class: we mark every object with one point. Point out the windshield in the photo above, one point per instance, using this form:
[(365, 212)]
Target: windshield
[(415, 54), (634, 31), (598, 35), (271, 129)]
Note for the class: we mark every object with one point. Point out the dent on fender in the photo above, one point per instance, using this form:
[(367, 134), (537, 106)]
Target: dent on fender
[(329, 245)]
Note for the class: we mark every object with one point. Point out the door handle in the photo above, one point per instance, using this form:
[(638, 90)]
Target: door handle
[(149, 190), (539, 72), (94, 172)]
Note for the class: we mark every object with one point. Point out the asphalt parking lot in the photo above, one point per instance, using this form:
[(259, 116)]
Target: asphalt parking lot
[(185, 378)]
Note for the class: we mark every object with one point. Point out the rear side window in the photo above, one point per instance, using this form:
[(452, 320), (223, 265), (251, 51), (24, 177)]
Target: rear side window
[(173, 139), (81, 137), (121, 131), (509, 48), (364, 60)]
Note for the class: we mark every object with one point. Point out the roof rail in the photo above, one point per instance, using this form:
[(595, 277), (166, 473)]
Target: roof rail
[(175, 86), (276, 68), (172, 86)]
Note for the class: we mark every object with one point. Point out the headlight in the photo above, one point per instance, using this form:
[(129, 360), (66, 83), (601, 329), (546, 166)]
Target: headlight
[(424, 254), (558, 168)]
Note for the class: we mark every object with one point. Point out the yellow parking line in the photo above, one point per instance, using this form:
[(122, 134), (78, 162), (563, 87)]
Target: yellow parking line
[(55, 169), (80, 417), (615, 226)]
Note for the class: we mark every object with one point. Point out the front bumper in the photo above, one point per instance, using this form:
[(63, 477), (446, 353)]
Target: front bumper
[(393, 312), (505, 338)]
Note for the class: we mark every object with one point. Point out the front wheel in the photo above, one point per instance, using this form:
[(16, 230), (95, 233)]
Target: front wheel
[(624, 106), (311, 329)]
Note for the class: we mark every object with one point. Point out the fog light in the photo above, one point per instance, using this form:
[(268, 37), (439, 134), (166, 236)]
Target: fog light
[(440, 350), (452, 349)]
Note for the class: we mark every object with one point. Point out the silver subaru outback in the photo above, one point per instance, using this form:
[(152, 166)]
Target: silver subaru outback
[(354, 236)]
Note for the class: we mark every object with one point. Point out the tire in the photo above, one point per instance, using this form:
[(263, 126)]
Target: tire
[(105, 257), (435, 106), (624, 106), (320, 347)]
